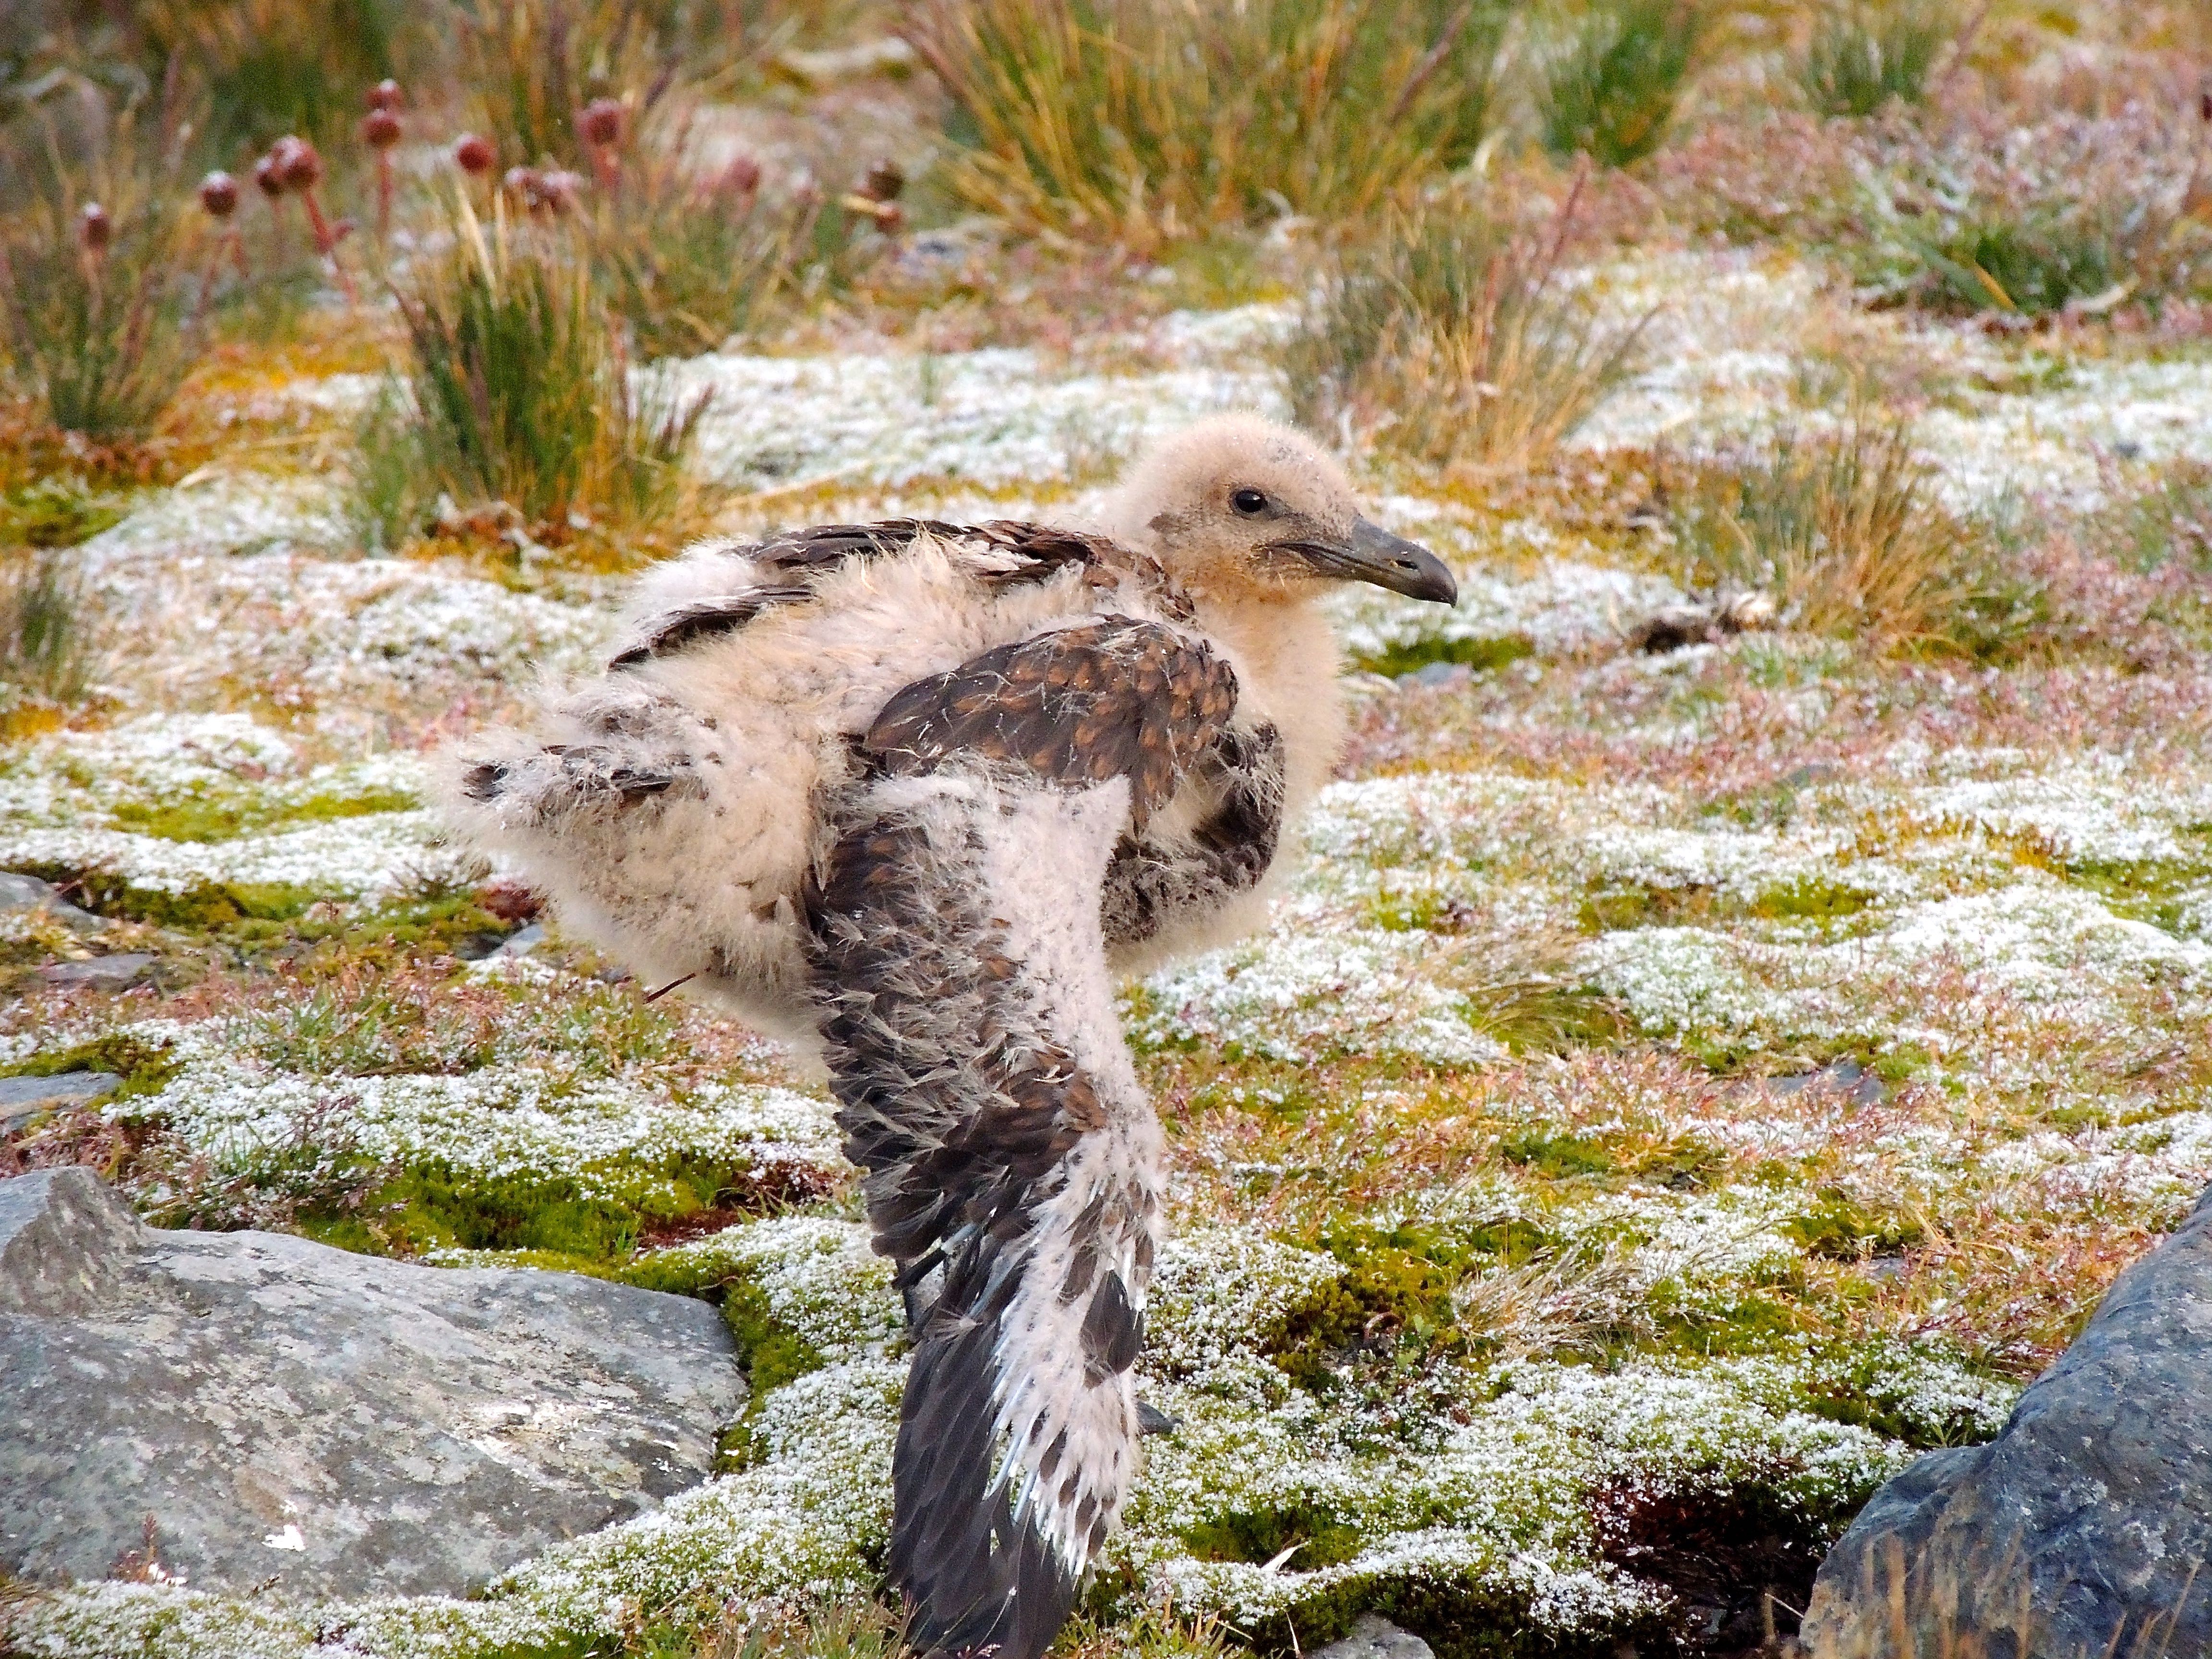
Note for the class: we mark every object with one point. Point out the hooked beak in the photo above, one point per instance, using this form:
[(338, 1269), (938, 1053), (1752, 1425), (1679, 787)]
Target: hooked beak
[(1372, 554)]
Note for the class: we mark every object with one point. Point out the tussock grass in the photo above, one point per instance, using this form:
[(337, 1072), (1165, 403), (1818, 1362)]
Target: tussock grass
[(1453, 338), (1144, 121), (1860, 59), (99, 333), (1608, 91), (516, 391), (1842, 529), (45, 652), (270, 67)]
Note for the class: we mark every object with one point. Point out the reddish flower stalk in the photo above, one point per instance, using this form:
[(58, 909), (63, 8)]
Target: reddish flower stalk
[(95, 230), (219, 200), (599, 124), (269, 180), (299, 169), (380, 131)]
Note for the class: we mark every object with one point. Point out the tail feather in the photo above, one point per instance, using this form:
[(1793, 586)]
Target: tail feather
[(979, 1582)]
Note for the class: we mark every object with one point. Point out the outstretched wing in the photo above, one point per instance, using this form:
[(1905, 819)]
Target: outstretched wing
[(982, 1083)]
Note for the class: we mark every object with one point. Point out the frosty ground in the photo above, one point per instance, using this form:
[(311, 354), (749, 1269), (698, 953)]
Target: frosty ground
[(1673, 1089)]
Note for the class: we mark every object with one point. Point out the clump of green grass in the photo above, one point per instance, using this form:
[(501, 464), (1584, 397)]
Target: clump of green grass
[(1145, 121), (1859, 60), (45, 653), (271, 67), (2077, 214), (92, 304), (1843, 529), (1451, 337), (1609, 91), (516, 391)]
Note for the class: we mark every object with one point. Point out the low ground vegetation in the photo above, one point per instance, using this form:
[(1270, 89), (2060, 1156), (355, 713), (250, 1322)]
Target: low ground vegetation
[(1676, 1085)]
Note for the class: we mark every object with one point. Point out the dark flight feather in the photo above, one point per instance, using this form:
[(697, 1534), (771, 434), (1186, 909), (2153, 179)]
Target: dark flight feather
[(965, 1106)]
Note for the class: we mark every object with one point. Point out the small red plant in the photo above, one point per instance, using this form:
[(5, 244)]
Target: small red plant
[(599, 124), (218, 201), (380, 131), (474, 155), (297, 168)]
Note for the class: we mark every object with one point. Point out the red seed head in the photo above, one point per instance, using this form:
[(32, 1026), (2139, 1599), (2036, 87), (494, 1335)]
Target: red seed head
[(270, 176), (524, 182), (386, 95), (742, 176), (882, 182), (95, 229), (474, 155), (219, 195), (297, 163), (380, 128), (599, 123)]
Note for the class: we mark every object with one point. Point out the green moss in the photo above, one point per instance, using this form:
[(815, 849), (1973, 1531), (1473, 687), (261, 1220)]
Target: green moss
[(145, 1067), (1479, 655), (1556, 1157), (1389, 1300), (1608, 909), (55, 511), (1315, 1535), (771, 1353), (206, 906), (433, 1206), (1844, 1228), (212, 817), (1811, 899)]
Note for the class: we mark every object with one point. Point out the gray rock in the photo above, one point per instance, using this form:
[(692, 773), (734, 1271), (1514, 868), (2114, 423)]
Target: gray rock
[(1374, 1637), (1438, 676), (105, 973), (515, 946), (2086, 1527), (22, 1098), (20, 892), (332, 1423)]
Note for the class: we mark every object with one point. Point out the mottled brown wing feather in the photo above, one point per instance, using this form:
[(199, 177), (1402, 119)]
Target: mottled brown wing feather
[(1116, 698)]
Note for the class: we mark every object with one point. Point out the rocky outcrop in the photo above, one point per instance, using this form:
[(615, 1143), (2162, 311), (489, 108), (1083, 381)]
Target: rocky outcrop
[(336, 1424), (2086, 1527)]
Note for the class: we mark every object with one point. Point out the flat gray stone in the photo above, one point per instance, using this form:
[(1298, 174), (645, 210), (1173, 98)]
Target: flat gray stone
[(1376, 1637), (107, 973), (337, 1424), (2086, 1525), (19, 892), (22, 1098)]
